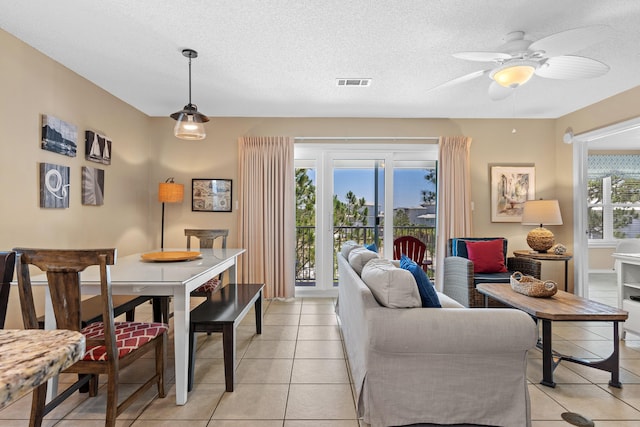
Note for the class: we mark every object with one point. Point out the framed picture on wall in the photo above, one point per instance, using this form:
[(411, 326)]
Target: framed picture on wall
[(54, 186), (211, 195), (92, 186), (511, 186), (59, 136), (97, 147)]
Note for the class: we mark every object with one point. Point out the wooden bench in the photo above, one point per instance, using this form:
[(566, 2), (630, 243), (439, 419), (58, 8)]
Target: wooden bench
[(222, 313), (92, 309)]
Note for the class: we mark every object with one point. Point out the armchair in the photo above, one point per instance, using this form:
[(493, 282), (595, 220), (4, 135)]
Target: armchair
[(461, 276)]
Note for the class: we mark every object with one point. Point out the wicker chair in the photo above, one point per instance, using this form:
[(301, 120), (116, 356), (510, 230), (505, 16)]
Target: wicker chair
[(460, 280)]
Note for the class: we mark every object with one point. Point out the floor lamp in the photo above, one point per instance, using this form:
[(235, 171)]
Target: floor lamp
[(169, 192)]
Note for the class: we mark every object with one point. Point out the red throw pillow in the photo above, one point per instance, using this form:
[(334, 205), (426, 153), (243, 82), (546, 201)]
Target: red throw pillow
[(487, 256)]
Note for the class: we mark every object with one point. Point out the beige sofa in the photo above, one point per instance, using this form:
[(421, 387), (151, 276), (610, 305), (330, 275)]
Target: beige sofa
[(449, 365)]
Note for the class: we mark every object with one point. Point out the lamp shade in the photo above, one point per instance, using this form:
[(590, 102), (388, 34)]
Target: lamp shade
[(189, 123), (541, 212), (170, 192), (514, 73)]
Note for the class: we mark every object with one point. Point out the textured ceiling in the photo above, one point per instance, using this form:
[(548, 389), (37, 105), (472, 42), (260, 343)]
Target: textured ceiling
[(277, 58)]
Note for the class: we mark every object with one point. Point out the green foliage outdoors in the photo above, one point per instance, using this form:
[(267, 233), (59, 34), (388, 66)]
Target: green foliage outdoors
[(350, 220), (623, 191)]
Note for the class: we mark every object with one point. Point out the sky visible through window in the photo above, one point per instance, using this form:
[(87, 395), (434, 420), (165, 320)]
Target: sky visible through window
[(408, 185)]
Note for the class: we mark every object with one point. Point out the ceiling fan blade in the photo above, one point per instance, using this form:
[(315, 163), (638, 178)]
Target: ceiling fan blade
[(482, 56), (498, 92), (570, 67), (461, 79), (571, 40)]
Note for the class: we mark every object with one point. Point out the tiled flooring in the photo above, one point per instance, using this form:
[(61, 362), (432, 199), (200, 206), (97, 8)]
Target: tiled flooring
[(295, 375)]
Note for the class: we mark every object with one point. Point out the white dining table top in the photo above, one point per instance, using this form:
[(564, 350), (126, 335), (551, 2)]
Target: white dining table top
[(133, 270), (131, 275)]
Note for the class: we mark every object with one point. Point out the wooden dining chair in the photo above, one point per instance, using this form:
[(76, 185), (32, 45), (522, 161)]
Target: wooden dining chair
[(7, 265), (110, 345), (207, 239)]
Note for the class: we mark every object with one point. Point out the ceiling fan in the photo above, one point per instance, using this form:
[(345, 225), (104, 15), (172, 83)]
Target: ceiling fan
[(519, 59)]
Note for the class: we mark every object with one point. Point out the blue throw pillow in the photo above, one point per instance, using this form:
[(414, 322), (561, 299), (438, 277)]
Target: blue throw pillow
[(428, 293), (372, 247)]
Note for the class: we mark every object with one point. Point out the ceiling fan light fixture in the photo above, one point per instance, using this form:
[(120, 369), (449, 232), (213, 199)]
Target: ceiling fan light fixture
[(514, 73), (189, 122)]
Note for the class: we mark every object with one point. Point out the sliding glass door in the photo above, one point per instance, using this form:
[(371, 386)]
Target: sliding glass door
[(344, 193)]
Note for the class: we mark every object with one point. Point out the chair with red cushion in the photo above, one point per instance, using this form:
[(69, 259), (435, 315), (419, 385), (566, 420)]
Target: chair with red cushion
[(207, 239), (110, 346), (473, 260)]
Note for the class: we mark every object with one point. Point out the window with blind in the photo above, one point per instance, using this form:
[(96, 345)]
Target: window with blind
[(614, 196)]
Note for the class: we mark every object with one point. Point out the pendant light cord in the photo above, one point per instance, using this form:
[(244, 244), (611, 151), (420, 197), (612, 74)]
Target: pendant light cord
[(189, 80)]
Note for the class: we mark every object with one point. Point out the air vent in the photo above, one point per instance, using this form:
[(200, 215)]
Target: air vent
[(353, 82)]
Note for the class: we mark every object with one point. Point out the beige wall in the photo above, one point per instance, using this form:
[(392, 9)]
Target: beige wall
[(32, 84), (145, 153)]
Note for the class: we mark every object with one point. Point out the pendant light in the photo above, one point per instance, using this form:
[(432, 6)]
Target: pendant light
[(190, 123)]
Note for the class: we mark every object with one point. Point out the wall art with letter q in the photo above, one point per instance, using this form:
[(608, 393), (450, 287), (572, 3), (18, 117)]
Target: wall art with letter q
[(54, 186)]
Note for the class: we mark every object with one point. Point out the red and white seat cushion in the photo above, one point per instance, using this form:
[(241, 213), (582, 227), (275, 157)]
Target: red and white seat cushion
[(211, 286), (129, 336)]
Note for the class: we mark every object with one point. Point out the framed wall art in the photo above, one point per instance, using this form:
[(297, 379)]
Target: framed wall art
[(97, 147), (92, 186), (59, 136), (54, 186), (511, 186), (211, 195)]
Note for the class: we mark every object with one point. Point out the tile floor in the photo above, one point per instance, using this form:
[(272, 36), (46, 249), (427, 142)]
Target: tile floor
[(295, 375)]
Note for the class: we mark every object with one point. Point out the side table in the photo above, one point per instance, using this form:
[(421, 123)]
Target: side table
[(548, 256)]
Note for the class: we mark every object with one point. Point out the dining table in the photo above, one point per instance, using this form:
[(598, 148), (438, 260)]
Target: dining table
[(143, 274), (30, 357)]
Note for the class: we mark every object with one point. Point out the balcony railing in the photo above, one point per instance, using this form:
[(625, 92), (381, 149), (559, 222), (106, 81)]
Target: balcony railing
[(306, 251)]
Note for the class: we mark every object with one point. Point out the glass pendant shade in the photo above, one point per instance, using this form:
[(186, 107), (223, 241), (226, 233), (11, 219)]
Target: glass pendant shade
[(189, 122), (514, 74)]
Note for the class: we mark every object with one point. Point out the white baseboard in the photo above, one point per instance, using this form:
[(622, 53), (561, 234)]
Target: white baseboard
[(310, 292)]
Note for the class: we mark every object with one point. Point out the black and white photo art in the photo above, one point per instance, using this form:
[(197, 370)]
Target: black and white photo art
[(54, 186), (98, 147), (59, 136), (92, 186)]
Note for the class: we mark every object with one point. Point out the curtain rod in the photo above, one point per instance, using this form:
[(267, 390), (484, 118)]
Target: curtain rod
[(396, 138)]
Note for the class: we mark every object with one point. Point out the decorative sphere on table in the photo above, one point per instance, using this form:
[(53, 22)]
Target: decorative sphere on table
[(540, 239)]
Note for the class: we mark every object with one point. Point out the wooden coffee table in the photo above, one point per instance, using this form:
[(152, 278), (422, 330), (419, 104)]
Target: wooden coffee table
[(561, 307)]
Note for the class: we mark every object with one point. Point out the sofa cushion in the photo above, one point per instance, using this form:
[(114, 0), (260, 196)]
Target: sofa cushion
[(487, 256), (347, 247), (428, 295), (391, 286), (372, 247), (448, 302), (358, 257)]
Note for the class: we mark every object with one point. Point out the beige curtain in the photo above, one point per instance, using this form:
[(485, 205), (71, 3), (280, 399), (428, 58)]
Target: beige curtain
[(454, 196), (267, 222)]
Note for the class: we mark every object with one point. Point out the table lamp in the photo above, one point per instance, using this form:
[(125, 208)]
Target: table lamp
[(169, 192), (541, 212)]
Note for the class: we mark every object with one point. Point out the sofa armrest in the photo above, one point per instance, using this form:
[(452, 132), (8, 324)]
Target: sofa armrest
[(458, 279), (450, 331)]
